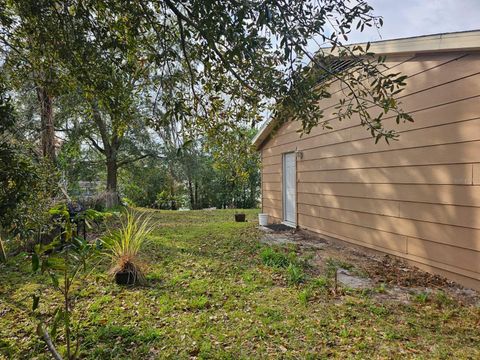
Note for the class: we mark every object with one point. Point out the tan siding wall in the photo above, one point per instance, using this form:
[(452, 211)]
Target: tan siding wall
[(419, 197)]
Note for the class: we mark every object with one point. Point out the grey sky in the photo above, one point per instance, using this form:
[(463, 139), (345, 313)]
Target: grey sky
[(405, 18)]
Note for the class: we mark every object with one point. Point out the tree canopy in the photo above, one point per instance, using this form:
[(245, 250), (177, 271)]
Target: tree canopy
[(207, 67)]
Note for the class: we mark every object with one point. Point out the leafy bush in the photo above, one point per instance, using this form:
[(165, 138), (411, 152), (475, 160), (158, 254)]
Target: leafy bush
[(167, 200), (129, 202), (123, 245)]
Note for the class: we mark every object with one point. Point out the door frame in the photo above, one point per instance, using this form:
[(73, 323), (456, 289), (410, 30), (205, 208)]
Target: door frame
[(284, 221)]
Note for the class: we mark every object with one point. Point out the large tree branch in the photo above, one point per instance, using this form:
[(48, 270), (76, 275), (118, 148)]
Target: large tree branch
[(185, 54), (131, 160), (102, 127), (210, 43), (361, 108), (95, 144)]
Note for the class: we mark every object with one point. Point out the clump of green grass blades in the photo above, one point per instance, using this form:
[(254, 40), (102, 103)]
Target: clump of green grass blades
[(295, 274), (273, 258), (123, 244), (276, 259)]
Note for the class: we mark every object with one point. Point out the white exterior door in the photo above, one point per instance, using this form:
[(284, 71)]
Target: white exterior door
[(289, 189)]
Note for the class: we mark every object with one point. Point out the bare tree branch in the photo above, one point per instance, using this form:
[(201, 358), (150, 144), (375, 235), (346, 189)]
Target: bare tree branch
[(46, 337)]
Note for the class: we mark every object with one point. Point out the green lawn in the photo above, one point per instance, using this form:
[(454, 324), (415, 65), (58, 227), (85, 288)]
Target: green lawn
[(210, 295)]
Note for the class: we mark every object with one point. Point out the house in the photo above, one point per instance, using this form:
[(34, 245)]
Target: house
[(417, 198)]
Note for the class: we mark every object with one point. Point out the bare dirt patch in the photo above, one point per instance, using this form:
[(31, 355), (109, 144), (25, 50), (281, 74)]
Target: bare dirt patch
[(392, 279)]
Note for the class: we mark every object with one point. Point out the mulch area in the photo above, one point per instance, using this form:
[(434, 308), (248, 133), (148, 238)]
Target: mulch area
[(386, 269), (397, 272)]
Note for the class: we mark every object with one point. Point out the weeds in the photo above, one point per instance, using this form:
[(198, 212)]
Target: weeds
[(293, 266), (295, 274), (381, 289), (332, 265), (273, 258), (304, 296), (422, 297), (442, 299), (321, 282)]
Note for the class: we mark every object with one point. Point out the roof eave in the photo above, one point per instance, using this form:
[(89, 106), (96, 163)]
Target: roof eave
[(466, 41), (263, 133)]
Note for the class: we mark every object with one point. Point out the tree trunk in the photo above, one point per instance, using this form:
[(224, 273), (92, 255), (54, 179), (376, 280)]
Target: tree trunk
[(173, 202), (47, 124), (112, 198), (253, 199), (192, 196), (3, 253), (111, 144), (197, 205)]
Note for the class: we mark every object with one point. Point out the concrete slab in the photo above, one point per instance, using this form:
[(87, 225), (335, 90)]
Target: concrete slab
[(347, 279)]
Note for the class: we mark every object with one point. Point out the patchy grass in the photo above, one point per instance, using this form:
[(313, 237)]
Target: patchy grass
[(215, 292)]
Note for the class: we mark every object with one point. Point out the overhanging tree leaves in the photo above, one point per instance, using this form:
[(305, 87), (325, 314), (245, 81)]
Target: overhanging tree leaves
[(212, 65), (241, 58)]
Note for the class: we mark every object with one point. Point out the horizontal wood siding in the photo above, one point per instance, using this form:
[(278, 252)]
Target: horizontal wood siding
[(419, 197)]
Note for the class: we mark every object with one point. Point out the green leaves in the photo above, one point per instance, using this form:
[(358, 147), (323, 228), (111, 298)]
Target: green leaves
[(54, 279), (59, 316), (62, 260), (208, 63), (54, 263)]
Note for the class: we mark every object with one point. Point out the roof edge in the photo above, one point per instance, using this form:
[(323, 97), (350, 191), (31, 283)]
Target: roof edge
[(263, 133), (464, 40)]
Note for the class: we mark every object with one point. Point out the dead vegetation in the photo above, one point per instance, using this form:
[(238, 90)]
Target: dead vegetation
[(396, 280)]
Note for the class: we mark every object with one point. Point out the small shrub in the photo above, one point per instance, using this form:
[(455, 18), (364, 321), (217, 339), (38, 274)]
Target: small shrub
[(273, 258), (65, 258), (123, 245), (295, 274)]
